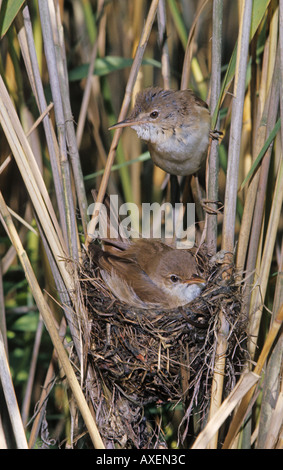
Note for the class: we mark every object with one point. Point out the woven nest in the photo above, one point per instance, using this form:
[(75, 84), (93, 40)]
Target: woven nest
[(162, 356)]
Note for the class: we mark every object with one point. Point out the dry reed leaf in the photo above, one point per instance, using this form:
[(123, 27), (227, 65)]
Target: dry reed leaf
[(243, 386)]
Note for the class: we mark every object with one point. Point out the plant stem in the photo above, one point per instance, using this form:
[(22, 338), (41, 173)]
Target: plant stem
[(213, 162), (127, 98), (230, 199)]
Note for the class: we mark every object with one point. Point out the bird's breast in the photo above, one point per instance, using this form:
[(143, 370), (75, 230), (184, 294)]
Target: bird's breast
[(175, 144), (180, 154)]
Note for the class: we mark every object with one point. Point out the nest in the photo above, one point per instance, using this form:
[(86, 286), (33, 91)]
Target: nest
[(159, 356)]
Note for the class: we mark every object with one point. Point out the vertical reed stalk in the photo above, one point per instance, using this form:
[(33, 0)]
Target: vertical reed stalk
[(228, 235), (231, 198), (50, 54), (213, 162), (71, 140)]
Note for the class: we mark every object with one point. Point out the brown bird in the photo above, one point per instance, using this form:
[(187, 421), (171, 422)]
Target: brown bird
[(176, 127), (147, 273)]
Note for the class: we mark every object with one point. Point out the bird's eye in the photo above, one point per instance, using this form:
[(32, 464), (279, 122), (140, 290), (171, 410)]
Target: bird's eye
[(174, 278), (154, 114)]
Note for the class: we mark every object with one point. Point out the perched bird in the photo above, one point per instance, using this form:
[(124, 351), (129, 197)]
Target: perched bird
[(147, 273), (176, 127)]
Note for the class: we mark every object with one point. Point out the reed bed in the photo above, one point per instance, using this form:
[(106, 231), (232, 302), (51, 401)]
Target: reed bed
[(77, 368)]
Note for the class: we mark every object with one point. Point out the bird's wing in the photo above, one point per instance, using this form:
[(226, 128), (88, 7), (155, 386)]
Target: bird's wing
[(121, 271)]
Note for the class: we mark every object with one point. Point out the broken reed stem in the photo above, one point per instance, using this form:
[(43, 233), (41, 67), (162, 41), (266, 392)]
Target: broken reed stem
[(126, 102)]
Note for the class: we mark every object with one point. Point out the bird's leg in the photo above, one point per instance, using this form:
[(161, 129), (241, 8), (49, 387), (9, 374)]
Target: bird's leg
[(215, 134)]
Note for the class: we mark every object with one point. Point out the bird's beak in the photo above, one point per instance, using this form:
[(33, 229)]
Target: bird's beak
[(195, 280), (126, 123)]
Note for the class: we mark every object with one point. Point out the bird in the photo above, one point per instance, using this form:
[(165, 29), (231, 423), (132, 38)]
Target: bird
[(175, 124), (147, 273)]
